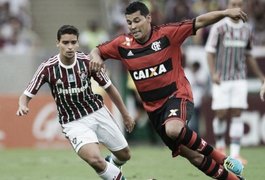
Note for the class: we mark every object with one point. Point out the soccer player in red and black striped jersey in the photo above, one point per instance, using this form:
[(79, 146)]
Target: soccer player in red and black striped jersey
[(152, 55), (85, 120), (228, 49)]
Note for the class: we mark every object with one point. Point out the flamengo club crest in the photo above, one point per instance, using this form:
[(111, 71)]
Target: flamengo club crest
[(156, 46)]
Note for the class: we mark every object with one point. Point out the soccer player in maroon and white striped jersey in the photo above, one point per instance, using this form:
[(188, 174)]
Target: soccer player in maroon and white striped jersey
[(85, 119), (152, 54), (228, 50)]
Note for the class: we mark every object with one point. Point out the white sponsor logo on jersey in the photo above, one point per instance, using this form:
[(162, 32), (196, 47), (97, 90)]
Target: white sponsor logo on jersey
[(149, 72)]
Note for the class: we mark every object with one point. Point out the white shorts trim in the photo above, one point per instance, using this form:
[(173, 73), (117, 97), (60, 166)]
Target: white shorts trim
[(230, 94), (98, 127)]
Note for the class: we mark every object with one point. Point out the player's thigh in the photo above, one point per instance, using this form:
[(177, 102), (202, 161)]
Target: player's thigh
[(81, 132), (108, 131), (90, 152), (239, 94), (221, 96)]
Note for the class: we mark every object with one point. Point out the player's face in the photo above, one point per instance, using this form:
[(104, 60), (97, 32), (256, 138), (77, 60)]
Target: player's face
[(139, 26), (68, 45), (235, 4)]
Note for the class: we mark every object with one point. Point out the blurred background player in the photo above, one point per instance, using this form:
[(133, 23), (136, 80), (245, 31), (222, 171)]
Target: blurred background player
[(84, 118), (92, 36), (228, 49)]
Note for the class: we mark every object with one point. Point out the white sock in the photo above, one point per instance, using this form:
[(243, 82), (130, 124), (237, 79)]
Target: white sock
[(219, 130), (235, 133), (111, 172)]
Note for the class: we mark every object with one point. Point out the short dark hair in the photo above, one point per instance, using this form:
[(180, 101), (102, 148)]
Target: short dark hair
[(137, 6), (67, 29)]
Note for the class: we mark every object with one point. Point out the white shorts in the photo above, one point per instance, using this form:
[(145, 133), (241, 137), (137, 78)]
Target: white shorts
[(230, 94), (98, 127)]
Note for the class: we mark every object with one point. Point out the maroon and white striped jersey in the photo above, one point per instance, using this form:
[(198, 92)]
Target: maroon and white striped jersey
[(70, 86), (231, 42)]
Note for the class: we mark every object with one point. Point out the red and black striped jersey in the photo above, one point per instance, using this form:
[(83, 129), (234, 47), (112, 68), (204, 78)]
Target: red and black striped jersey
[(231, 42), (155, 66), (70, 86)]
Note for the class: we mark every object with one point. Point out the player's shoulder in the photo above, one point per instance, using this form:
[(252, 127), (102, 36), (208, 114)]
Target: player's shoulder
[(82, 55), (120, 40), (223, 22), (172, 25), (51, 61)]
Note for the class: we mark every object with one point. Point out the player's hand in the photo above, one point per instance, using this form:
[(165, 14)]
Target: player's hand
[(22, 110), (129, 123), (236, 14), (262, 91), (216, 78), (96, 64)]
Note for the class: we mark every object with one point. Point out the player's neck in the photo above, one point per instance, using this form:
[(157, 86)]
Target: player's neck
[(67, 61)]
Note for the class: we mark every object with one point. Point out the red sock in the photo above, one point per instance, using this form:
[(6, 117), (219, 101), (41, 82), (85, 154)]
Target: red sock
[(211, 168)]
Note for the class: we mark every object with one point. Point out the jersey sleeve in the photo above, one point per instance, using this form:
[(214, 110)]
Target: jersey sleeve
[(212, 40), (102, 79), (37, 81), (178, 32), (109, 50)]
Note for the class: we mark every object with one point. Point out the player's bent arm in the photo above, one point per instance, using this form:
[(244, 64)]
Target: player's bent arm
[(96, 63), (211, 65), (117, 100), (214, 16), (23, 105), (255, 69)]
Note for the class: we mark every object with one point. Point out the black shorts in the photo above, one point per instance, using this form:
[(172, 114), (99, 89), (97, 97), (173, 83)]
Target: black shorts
[(174, 107)]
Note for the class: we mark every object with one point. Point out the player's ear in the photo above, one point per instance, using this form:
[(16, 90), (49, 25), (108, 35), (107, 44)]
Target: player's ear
[(149, 18), (57, 43)]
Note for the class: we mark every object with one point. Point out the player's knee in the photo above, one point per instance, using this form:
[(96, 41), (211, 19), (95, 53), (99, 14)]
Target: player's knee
[(172, 133), (97, 163), (173, 129), (124, 154)]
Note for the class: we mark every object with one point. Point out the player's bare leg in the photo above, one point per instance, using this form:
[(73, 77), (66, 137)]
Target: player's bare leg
[(91, 154), (119, 158)]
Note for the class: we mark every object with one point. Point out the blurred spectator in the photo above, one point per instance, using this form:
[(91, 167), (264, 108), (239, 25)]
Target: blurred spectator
[(17, 38), (155, 10), (199, 83), (257, 9), (16, 35), (177, 10), (92, 36)]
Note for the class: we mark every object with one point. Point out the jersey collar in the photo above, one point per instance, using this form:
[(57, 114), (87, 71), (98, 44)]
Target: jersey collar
[(233, 24), (67, 66)]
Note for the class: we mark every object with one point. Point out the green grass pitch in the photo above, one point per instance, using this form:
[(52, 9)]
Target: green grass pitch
[(147, 162)]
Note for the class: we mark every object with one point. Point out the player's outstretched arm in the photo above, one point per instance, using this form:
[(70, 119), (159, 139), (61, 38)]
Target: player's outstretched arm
[(96, 63), (23, 105), (117, 100), (214, 16)]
